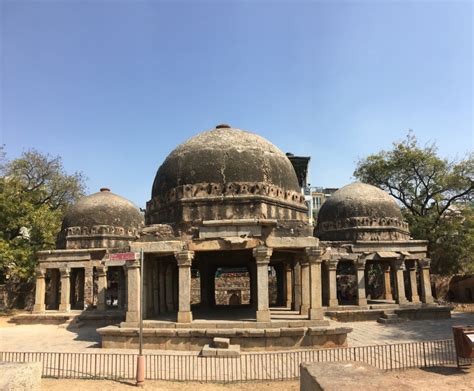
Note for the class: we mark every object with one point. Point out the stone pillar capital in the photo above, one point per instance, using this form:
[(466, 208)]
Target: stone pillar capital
[(398, 264), (65, 272), (313, 254), (360, 261), (424, 263), (40, 272), (332, 262), (262, 254), (132, 264), (184, 258), (101, 270)]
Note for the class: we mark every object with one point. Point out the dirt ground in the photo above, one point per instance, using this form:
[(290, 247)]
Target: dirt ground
[(442, 379)]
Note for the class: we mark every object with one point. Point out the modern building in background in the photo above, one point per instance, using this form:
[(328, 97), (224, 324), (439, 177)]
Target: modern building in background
[(318, 196)]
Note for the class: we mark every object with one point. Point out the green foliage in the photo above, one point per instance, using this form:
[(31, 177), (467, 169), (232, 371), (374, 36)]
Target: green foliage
[(35, 192), (436, 196)]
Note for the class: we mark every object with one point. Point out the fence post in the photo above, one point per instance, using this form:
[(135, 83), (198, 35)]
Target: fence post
[(424, 355)]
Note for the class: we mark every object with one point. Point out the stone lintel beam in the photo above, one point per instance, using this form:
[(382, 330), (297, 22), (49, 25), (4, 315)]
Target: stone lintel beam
[(224, 244), (217, 223), (163, 246), (291, 242)]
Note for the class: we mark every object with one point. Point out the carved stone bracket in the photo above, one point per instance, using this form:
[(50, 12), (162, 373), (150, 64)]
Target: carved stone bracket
[(65, 272), (424, 263), (262, 254), (398, 264), (40, 272), (313, 254), (360, 262), (184, 258), (101, 271), (332, 262)]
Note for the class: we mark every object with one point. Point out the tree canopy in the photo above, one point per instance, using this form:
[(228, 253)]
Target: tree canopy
[(35, 193), (436, 196)]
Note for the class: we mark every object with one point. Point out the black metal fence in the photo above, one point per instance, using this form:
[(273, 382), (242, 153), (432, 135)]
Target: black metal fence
[(247, 367)]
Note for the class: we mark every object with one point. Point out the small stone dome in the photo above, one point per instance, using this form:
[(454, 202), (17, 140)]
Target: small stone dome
[(360, 211), (102, 214), (103, 208)]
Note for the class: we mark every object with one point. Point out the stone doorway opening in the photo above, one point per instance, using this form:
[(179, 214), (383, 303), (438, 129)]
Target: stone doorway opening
[(77, 288), (346, 275), (53, 284)]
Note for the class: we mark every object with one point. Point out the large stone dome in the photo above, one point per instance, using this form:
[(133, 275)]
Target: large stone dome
[(222, 163), (101, 214), (225, 155), (360, 211)]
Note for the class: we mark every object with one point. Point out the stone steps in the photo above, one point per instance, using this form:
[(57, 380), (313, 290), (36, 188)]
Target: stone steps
[(390, 317)]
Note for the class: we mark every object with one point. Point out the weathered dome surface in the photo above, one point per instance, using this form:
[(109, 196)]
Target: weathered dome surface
[(225, 155), (361, 211), (225, 174), (103, 208)]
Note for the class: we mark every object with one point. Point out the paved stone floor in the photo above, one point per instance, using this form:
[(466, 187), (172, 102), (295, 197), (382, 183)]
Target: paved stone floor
[(56, 338)]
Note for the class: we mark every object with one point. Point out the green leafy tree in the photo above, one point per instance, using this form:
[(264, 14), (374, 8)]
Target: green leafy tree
[(436, 196), (35, 192)]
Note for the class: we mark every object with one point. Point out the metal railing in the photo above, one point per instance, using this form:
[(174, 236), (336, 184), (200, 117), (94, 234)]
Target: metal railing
[(247, 367)]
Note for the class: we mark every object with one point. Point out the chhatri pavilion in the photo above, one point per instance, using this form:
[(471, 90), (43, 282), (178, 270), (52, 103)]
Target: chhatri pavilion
[(229, 203)]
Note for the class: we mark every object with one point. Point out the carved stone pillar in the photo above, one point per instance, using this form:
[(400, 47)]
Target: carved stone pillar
[(426, 296), (288, 284), (169, 288), (313, 256), (262, 258), (398, 267), (296, 285), (332, 271), (204, 283), (360, 266), (387, 282), (101, 287), (415, 299), (88, 287), (305, 287), (40, 291), (65, 304), (162, 285), (184, 260), (133, 291)]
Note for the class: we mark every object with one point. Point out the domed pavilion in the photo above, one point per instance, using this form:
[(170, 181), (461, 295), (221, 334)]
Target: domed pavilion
[(227, 202)]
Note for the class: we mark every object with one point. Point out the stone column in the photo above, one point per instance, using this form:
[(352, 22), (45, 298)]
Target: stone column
[(65, 304), (288, 285), (305, 287), (296, 285), (398, 267), (204, 283), (40, 291), (101, 287), (162, 283), (262, 256), (313, 255), (387, 282), (360, 265), (415, 299), (424, 265), (332, 270), (88, 287), (184, 260), (156, 288), (133, 291), (169, 288)]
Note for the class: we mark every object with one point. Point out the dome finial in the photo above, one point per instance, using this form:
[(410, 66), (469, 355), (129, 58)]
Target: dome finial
[(102, 189), (223, 126)]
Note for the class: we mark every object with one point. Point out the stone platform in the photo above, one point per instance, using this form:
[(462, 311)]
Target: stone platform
[(262, 336), (90, 318), (376, 311)]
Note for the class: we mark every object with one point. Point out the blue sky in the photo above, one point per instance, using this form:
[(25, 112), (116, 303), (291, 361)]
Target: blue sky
[(114, 86)]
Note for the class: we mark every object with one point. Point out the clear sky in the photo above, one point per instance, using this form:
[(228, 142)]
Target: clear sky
[(114, 86)]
